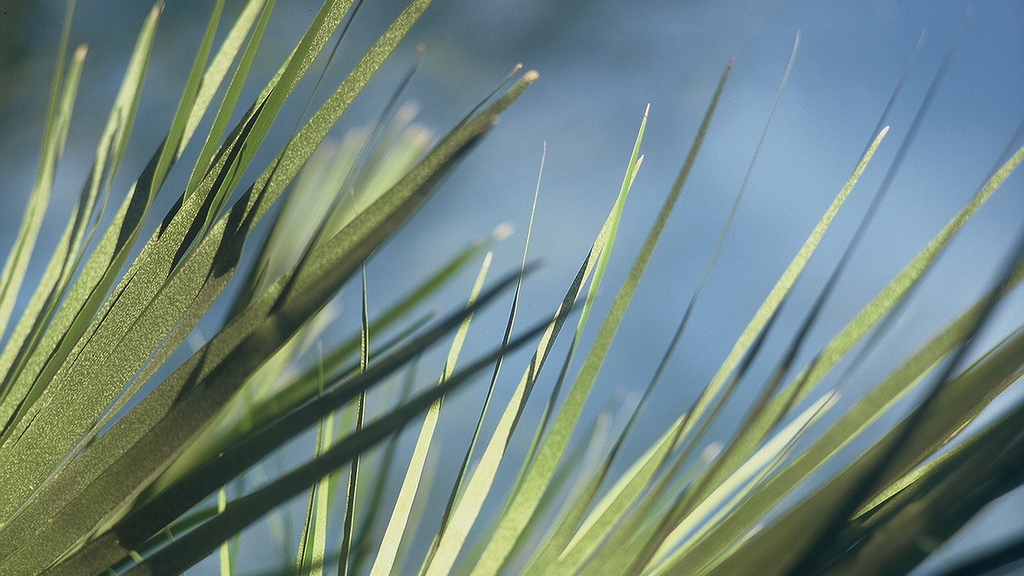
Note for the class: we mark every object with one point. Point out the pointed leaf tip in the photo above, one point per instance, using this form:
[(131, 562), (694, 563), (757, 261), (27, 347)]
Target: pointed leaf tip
[(502, 231)]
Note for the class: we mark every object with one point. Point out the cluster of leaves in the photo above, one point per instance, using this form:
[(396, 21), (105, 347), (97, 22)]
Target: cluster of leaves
[(108, 467)]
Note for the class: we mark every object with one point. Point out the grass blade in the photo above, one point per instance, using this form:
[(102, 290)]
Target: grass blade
[(197, 544), (387, 553), (56, 275), (36, 365), (148, 519), (313, 541), (58, 117), (24, 469), (452, 541), (867, 410), (144, 322), (551, 451)]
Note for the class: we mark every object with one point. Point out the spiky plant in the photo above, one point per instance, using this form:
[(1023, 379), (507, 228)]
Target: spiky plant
[(117, 458)]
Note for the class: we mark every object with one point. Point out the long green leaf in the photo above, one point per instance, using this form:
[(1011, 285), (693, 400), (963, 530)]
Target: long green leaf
[(870, 315), (872, 405), (140, 445), (69, 251), (85, 295), (762, 419), (602, 247), (146, 520), (20, 469), (58, 117), (818, 528), (962, 400), (567, 418), (306, 386), (109, 153), (197, 544), (55, 344), (311, 200), (636, 482), (987, 466), (452, 541), (215, 75), (387, 552), (58, 271), (747, 479), (551, 451), (464, 468), (313, 541), (142, 313), (702, 549)]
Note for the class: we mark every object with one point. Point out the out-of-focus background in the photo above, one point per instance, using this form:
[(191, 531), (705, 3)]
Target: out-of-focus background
[(601, 63)]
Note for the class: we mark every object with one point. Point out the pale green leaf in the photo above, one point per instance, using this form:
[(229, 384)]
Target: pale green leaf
[(468, 508), (387, 552), (534, 484)]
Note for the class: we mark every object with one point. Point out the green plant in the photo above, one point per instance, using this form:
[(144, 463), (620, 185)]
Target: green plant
[(107, 464)]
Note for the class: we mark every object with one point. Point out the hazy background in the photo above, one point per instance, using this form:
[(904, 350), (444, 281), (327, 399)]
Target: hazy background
[(601, 62)]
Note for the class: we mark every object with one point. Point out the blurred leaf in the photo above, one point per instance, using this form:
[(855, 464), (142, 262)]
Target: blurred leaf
[(58, 118), (197, 544)]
